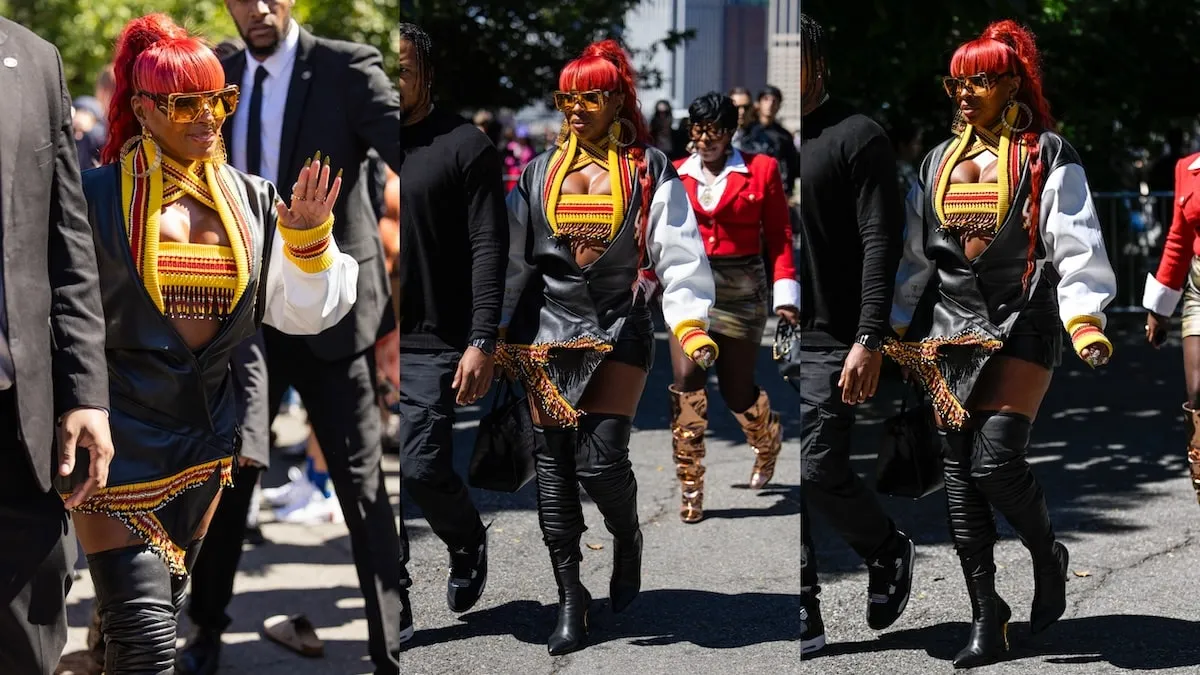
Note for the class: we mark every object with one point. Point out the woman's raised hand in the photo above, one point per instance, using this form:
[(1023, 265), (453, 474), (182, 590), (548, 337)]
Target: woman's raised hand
[(312, 196)]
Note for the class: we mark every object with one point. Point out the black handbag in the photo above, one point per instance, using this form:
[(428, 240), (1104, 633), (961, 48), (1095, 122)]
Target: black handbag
[(910, 460), (504, 444), (786, 351)]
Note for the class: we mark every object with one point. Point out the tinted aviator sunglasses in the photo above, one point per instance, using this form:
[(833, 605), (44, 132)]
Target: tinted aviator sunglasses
[(185, 108), (591, 101), (975, 85)]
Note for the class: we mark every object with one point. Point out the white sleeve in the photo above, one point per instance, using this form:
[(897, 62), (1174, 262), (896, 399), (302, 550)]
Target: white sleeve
[(915, 270), (1075, 246), (519, 270), (306, 303), (677, 254)]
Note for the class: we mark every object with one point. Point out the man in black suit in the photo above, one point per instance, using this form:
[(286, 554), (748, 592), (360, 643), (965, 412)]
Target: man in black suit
[(49, 261), (302, 95)]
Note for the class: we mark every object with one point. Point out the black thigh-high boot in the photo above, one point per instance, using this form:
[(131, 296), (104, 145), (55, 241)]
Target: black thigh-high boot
[(606, 473), (560, 515), (973, 530), (1002, 472), (179, 584), (137, 612)]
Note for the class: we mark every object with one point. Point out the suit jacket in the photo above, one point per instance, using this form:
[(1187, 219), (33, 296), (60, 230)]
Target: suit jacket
[(341, 103), (49, 261), (1165, 287)]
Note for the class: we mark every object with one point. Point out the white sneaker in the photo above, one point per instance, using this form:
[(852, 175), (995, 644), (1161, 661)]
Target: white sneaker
[(255, 505), (298, 487), (318, 509)]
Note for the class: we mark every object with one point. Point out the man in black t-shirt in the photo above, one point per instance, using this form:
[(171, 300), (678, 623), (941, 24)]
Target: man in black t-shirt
[(453, 255), (851, 223)]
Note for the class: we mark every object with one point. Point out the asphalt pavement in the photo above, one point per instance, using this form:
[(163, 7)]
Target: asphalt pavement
[(1109, 447), (720, 596)]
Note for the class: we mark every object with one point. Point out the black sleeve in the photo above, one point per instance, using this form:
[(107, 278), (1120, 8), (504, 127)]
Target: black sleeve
[(880, 225), (487, 229), (78, 362), (792, 157)]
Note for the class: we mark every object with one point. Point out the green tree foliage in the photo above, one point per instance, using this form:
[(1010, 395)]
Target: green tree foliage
[(85, 30), (1115, 71), (501, 53)]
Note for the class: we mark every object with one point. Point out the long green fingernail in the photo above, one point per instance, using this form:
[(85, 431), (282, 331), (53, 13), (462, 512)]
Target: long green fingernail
[(308, 161), (326, 160), (339, 174), (318, 157)]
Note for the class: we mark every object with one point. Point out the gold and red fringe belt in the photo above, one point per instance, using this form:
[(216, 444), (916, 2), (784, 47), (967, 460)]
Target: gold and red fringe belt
[(923, 358), (134, 504), (531, 364)]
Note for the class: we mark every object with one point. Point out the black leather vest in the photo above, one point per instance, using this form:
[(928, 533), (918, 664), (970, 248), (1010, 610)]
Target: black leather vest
[(171, 407), (563, 301), (984, 294)]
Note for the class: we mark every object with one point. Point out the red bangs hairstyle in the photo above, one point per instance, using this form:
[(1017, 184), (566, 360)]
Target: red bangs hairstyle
[(156, 56), (1008, 47), (605, 66)]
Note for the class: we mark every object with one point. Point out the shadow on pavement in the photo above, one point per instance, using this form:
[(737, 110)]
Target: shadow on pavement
[(653, 414), (1101, 437), (1128, 641), (658, 617)]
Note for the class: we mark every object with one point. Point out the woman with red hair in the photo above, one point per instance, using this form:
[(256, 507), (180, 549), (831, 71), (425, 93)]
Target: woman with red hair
[(193, 255), (586, 218), (1003, 247)]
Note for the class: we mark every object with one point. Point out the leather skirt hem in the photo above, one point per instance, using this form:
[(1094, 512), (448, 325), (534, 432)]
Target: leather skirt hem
[(180, 497)]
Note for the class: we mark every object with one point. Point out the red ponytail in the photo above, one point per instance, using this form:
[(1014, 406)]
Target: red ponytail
[(604, 65), (1008, 47), (156, 56)]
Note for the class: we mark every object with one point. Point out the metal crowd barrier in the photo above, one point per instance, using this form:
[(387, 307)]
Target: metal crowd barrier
[(1135, 226)]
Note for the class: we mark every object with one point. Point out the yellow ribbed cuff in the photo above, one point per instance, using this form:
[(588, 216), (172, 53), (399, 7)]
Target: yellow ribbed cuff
[(684, 326), (694, 340), (309, 249), (1082, 320), (1085, 332)]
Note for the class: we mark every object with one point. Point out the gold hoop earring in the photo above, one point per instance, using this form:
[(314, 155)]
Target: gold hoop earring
[(616, 132), (1021, 108), (148, 146), (562, 133)]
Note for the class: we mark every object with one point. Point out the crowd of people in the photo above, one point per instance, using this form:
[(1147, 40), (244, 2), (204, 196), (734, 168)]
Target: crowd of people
[(568, 265), (334, 229), (966, 284), (234, 234)]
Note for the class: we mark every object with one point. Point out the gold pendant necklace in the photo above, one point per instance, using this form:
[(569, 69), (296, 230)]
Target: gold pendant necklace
[(706, 197)]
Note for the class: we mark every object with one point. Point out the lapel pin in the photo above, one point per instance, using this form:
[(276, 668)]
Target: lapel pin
[(306, 75), (10, 62)]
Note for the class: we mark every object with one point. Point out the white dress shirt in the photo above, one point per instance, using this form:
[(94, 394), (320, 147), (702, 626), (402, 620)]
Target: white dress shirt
[(709, 194), (274, 99)]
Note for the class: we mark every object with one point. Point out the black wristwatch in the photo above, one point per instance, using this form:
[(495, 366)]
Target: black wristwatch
[(486, 346), (873, 343)]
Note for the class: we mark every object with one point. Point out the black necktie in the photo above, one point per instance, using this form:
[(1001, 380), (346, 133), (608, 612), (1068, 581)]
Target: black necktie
[(254, 131)]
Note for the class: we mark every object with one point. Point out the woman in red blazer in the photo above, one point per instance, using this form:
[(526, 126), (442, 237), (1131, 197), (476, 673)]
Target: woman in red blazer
[(739, 201), (1178, 277)]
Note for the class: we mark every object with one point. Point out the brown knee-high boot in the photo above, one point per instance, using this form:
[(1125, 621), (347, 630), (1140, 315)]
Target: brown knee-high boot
[(1192, 417), (765, 435), (689, 421)]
